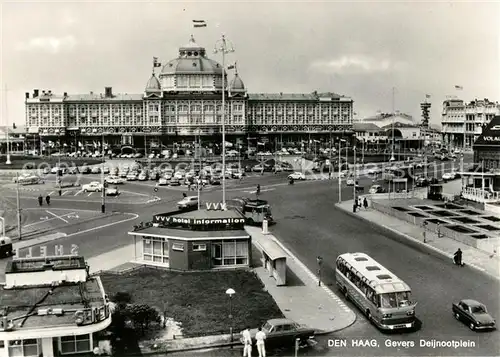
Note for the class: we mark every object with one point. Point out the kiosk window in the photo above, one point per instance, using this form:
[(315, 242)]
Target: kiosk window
[(199, 247), (178, 246)]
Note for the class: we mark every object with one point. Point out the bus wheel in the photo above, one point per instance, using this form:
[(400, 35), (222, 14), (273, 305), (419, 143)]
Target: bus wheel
[(369, 315)]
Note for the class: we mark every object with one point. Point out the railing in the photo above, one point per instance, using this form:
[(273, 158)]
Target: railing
[(479, 195)]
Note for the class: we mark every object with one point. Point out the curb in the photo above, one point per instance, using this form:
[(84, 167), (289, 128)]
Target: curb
[(415, 240)]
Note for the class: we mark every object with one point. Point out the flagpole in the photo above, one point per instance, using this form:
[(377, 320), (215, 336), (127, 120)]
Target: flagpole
[(222, 46), (393, 114), (7, 162)]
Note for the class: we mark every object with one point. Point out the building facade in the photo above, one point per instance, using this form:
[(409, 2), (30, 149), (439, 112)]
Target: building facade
[(196, 240), (462, 122), (182, 102)]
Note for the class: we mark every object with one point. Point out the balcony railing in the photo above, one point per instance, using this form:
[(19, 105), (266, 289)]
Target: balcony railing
[(479, 195)]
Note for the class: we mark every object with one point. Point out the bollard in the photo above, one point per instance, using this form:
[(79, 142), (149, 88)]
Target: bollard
[(354, 206), (265, 226)]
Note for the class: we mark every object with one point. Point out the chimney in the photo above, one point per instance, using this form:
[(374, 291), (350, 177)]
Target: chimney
[(91, 92), (35, 93), (65, 94), (27, 95), (108, 92), (50, 92), (43, 92)]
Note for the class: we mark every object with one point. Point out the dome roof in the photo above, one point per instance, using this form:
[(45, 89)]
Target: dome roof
[(153, 84), (192, 59), (236, 84)]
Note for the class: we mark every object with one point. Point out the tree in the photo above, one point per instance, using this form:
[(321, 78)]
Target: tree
[(122, 298), (142, 315)]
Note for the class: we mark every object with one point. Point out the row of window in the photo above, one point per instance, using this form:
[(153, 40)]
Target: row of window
[(33, 347), (351, 274)]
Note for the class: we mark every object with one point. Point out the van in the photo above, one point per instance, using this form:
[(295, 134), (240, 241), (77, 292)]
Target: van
[(6, 249)]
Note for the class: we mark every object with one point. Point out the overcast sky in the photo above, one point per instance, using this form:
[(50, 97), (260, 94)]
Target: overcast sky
[(358, 49)]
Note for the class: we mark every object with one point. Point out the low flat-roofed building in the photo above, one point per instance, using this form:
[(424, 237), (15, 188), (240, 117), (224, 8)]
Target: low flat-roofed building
[(194, 240), (51, 306)]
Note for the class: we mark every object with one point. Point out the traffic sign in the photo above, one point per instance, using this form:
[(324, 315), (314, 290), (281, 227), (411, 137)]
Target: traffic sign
[(156, 189)]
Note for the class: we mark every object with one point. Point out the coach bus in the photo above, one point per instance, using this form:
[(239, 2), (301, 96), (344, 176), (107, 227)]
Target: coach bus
[(379, 294)]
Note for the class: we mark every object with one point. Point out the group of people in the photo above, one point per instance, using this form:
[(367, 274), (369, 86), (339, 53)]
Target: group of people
[(362, 202), (40, 200), (260, 337)]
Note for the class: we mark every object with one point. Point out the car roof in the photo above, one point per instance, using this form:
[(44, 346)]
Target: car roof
[(471, 302), (280, 321)]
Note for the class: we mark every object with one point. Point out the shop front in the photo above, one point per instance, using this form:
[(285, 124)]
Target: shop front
[(196, 240)]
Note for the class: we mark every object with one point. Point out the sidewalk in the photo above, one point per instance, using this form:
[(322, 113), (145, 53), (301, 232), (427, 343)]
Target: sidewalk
[(304, 302), (473, 257)]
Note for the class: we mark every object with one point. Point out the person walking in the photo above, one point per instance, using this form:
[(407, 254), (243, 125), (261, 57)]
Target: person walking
[(365, 203), (457, 257), (260, 336), (40, 200), (247, 343), (47, 199)]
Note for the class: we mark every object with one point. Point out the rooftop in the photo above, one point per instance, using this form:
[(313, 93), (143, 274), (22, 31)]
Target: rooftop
[(295, 96), (27, 306), (209, 214), (365, 127), (28, 265)]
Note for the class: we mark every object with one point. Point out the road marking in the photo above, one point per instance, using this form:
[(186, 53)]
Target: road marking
[(51, 193), (253, 187), (65, 192), (56, 216), (76, 194), (136, 193), (89, 194)]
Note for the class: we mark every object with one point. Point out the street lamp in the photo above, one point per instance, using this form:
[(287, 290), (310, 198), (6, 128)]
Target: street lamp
[(320, 262), (393, 115), (103, 197), (224, 46), (230, 292), (354, 187)]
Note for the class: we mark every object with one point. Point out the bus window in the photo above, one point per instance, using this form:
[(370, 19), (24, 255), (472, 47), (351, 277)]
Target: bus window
[(403, 298), (388, 300), (248, 209)]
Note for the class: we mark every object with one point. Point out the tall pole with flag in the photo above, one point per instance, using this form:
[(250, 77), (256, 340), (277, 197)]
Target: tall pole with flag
[(460, 88), (7, 162), (393, 115), (224, 47)]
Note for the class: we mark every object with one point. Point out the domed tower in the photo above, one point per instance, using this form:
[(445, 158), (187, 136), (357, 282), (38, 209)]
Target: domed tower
[(153, 86), (191, 71), (236, 87)]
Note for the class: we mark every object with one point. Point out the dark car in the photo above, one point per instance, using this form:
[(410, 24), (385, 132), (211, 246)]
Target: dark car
[(85, 170), (433, 181), (474, 314), (215, 180), (284, 332), (421, 182)]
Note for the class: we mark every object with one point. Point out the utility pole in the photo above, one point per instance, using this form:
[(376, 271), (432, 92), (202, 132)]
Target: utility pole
[(393, 115), (103, 198), (354, 187), (18, 208)]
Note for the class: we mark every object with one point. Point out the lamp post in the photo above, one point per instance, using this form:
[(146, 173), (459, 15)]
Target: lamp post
[(224, 46), (103, 198), (393, 115), (354, 187), (3, 226), (340, 171), (319, 260), (230, 292)]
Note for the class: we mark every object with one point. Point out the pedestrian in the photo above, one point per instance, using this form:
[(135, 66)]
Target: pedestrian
[(189, 185), (184, 194), (365, 203), (40, 200), (260, 336), (47, 199), (247, 343), (457, 257)]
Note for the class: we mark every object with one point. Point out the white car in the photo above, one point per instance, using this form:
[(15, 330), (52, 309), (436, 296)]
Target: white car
[(179, 175), (188, 202), (105, 170), (142, 176), (162, 181), (297, 176), (92, 187), (131, 176), (350, 182), (114, 180), (112, 191)]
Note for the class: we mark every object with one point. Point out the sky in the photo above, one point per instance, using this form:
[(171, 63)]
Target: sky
[(358, 49)]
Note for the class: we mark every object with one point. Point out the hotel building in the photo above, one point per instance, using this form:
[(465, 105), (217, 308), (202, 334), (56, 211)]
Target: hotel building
[(181, 102), (462, 123)]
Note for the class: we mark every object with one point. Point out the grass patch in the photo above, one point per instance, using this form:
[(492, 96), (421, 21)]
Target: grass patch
[(198, 300), (21, 162)]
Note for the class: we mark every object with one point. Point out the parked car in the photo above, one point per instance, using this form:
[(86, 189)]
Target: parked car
[(376, 189), (448, 176), (421, 182), (175, 182), (105, 170), (258, 168), (162, 181), (142, 176), (96, 170), (297, 176), (154, 175), (85, 170), (474, 314), (92, 187), (73, 171), (132, 176), (215, 180), (114, 180), (188, 202), (350, 182), (284, 332)]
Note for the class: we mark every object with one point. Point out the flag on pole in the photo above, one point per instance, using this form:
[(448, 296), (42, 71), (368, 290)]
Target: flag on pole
[(427, 96), (459, 87), (231, 66), (155, 62), (199, 23)]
